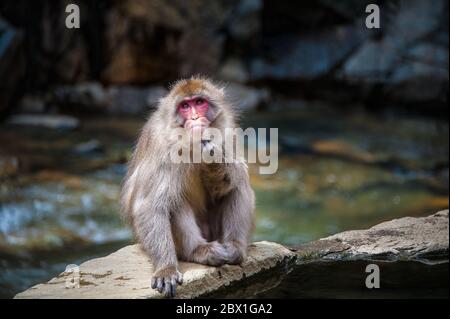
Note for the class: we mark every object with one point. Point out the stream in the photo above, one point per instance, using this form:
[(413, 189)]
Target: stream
[(59, 188)]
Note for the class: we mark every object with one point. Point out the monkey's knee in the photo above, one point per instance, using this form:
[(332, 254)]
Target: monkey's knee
[(213, 254)]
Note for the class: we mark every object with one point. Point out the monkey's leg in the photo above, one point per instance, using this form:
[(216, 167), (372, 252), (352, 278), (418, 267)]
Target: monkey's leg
[(237, 222), (152, 224), (190, 244)]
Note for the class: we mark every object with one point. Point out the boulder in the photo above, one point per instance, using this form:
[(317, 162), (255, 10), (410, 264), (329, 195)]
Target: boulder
[(93, 96), (423, 239), (127, 272), (307, 57)]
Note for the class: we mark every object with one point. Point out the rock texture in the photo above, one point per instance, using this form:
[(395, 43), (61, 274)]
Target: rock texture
[(424, 239), (136, 42), (411, 252), (127, 272)]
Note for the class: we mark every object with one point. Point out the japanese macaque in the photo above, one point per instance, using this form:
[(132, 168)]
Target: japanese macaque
[(196, 212)]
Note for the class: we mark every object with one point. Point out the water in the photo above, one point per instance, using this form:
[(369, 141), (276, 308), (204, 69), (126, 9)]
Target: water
[(336, 172)]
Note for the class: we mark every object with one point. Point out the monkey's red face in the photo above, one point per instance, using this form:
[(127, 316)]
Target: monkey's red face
[(193, 110)]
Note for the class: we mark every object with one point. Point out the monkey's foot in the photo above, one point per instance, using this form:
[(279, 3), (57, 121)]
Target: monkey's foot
[(165, 280), (212, 253), (235, 252)]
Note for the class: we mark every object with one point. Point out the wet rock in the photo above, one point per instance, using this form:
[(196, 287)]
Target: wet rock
[(127, 272), (247, 98), (134, 100), (60, 122), (90, 147)]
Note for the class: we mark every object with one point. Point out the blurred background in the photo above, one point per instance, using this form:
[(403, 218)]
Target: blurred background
[(362, 114)]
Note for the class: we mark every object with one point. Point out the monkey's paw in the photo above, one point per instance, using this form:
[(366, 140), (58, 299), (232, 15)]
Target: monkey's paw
[(212, 253), (165, 280)]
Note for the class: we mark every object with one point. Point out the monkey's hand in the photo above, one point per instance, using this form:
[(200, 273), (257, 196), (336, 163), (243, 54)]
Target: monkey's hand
[(212, 253), (208, 147), (235, 252), (165, 280)]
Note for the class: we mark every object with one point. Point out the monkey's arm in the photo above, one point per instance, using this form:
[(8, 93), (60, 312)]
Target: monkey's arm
[(151, 219), (238, 220)]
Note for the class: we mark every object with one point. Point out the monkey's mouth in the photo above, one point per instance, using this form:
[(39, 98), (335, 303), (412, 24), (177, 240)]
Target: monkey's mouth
[(199, 124)]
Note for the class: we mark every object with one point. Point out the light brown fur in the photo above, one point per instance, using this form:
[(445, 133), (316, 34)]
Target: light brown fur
[(195, 212)]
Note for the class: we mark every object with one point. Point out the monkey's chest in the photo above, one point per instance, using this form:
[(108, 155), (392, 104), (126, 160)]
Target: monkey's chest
[(206, 185), (216, 181)]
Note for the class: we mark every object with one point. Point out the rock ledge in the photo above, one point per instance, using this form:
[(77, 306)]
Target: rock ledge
[(126, 273)]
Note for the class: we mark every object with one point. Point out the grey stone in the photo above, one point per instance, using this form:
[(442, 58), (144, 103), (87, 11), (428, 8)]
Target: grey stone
[(61, 122), (308, 57), (127, 273), (412, 20), (89, 147), (371, 62), (425, 239), (89, 95), (132, 100)]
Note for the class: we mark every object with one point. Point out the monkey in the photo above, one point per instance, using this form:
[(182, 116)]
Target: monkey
[(193, 212)]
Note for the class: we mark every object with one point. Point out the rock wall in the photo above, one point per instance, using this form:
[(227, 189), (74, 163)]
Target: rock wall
[(316, 47)]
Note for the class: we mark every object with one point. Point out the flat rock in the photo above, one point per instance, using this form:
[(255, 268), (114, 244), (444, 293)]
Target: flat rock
[(126, 273), (423, 239)]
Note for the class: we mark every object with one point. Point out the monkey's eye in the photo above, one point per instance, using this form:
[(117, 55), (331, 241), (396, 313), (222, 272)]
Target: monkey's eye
[(199, 101), (184, 106)]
